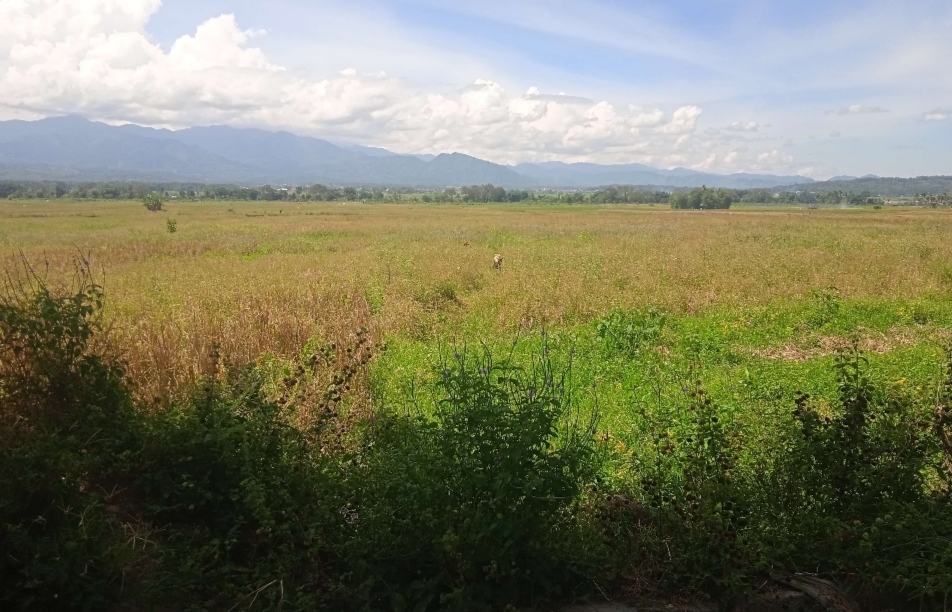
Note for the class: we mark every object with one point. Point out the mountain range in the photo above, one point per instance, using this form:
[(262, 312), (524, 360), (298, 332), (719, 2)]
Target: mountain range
[(75, 149), (879, 185)]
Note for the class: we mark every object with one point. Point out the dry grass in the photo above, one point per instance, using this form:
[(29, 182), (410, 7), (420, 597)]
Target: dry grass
[(866, 340), (256, 280)]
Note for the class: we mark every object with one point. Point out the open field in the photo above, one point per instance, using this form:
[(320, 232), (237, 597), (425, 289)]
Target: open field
[(769, 388), (264, 278)]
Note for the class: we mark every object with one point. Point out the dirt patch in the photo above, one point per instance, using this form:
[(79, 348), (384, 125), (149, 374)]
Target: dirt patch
[(866, 340)]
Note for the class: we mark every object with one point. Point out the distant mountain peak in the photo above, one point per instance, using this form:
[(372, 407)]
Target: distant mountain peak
[(79, 149)]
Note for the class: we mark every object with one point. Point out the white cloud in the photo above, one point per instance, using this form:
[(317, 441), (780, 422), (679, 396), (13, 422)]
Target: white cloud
[(937, 114), (96, 58), (742, 126), (835, 134), (684, 121), (772, 161), (708, 164), (861, 109)]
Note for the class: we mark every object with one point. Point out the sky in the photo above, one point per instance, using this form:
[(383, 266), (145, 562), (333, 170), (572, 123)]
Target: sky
[(813, 87)]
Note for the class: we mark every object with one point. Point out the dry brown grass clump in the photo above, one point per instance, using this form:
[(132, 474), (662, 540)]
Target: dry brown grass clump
[(867, 341)]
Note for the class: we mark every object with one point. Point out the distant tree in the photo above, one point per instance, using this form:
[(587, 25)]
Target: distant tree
[(483, 193), (153, 202), (702, 199), (267, 193), (518, 196), (934, 201), (758, 196)]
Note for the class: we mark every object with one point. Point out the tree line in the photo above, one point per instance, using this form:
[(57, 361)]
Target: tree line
[(48, 190), (699, 198), (478, 193)]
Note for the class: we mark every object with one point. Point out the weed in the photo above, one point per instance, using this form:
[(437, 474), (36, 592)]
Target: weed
[(630, 332), (826, 307)]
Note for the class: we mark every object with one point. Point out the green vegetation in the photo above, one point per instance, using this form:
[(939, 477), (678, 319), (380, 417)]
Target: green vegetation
[(883, 186), (642, 401), (919, 192), (702, 199), (153, 202), (481, 193)]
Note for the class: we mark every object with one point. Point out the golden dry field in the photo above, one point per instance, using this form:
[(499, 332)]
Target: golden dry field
[(263, 278)]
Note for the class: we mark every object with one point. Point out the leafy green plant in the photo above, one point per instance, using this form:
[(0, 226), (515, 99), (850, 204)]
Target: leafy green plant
[(467, 508), (67, 423), (870, 451), (942, 424), (153, 202), (171, 226), (630, 332), (243, 498), (696, 498), (826, 307)]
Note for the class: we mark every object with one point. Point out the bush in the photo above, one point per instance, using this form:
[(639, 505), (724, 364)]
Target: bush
[(67, 424), (698, 501), (874, 450), (241, 494), (227, 494), (827, 306), (850, 489), (470, 509), (153, 202)]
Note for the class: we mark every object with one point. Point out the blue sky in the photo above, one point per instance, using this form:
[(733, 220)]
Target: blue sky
[(811, 87)]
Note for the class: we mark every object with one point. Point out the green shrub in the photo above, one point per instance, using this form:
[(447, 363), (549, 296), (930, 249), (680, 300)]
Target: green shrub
[(67, 425), (241, 494), (906, 542), (826, 307), (875, 449), (153, 202), (630, 332), (696, 500), (842, 491), (470, 508)]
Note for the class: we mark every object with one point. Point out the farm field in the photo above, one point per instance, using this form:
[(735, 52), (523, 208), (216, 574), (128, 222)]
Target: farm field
[(259, 278), (692, 340)]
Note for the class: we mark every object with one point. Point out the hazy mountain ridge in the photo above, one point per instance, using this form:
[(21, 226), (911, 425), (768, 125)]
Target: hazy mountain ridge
[(73, 148), (583, 175), (880, 186)]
